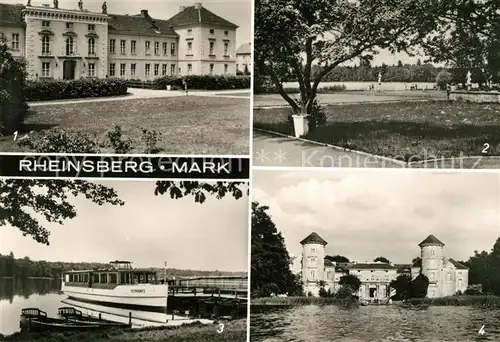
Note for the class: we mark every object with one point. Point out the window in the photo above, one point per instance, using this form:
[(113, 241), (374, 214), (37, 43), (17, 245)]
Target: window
[(211, 69), (212, 48), (70, 45), (123, 46), (432, 252), (190, 48), (172, 69), (313, 275), (190, 32), (91, 69), (104, 278), (164, 70), (460, 283), (91, 47), (448, 276), (157, 48), (112, 71), (165, 48), (148, 47), (112, 46), (46, 45), (113, 278), (45, 23), (91, 27), (225, 68), (226, 33), (313, 250), (15, 41), (431, 276), (45, 69), (123, 67), (190, 69), (157, 69), (133, 45), (212, 31), (148, 70), (172, 49), (132, 69), (69, 26), (226, 49)]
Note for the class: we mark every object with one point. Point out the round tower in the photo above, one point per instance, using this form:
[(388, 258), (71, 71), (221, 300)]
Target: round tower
[(313, 255), (431, 251)]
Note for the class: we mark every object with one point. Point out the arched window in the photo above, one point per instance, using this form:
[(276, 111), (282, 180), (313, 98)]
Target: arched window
[(69, 46), (45, 45), (91, 46)]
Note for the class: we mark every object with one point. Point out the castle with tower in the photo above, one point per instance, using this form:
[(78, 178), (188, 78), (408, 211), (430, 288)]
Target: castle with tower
[(446, 276)]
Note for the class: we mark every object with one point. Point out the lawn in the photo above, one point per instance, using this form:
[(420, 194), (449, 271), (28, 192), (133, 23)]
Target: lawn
[(409, 131), (233, 331), (188, 125)]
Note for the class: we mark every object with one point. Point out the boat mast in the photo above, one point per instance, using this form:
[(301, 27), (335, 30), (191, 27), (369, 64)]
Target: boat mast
[(165, 272)]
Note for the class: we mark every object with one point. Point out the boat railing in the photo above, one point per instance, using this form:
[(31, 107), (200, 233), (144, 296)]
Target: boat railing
[(68, 311), (33, 312)]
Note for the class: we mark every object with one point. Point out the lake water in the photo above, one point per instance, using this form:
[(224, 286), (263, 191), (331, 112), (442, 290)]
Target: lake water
[(46, 295), (387, 86), (375, 323)]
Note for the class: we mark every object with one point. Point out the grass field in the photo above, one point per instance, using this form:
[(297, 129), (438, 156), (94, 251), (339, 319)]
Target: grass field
[(189, 125), (234, 331), (476, 301), (409, 131)]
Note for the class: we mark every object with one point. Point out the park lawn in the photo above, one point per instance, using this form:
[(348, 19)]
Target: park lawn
[(408, 131), (234, 331), (188, 125)]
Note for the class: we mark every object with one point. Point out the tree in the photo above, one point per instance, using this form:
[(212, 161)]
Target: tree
[(350, 280), (443, 79), (419, 286), (49, 198), (270, 261), (337, 258), (291, 36), (382, 259), (402, 285), (400, 64)]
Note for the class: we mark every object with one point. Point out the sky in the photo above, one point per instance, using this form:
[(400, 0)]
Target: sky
[(363, 214), (238, 12), (147, 230)]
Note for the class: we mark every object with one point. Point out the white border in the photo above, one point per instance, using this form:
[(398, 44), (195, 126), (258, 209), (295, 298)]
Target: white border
[(97, 155)]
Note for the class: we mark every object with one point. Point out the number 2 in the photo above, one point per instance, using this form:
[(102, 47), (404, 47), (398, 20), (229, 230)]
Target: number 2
[(221, 328), (486, 147)]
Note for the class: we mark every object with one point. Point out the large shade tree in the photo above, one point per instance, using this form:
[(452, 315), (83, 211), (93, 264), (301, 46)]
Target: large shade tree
[(292, 36)]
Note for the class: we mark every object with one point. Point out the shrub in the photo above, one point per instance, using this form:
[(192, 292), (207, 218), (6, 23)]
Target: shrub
[(46, 90), (317, 116), (13, 107), (443, 78), (204, 82)]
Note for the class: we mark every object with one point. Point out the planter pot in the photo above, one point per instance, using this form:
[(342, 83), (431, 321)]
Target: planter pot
[(169, 87), (300, 125)]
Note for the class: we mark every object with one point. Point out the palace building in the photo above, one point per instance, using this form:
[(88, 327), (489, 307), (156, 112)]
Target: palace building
[(446, 276), (74, 43)]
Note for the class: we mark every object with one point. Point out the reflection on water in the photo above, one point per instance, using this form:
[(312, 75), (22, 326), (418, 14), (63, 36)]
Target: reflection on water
[(375, 323)]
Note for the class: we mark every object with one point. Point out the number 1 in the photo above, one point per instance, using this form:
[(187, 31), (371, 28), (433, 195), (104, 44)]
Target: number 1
[(15, 135)]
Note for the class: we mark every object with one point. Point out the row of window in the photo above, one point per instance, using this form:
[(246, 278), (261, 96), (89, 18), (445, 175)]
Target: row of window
[(46, 69), (70, 46), (212, 31), (147, 69), (69, 26), (147, 46)]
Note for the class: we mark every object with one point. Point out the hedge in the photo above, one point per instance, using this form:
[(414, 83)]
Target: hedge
[(13, 107), (82, 88), (204, 82)]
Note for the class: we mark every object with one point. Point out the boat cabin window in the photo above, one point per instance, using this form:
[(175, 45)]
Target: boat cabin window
[(125, 278), (113, 278), (104, 278), (95, 278)]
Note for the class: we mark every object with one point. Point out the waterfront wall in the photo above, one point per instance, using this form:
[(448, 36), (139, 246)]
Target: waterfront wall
[(475, 96)]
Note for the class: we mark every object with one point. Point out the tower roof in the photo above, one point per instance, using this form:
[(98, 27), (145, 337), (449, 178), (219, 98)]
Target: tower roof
[(313, 239), (431, 240)]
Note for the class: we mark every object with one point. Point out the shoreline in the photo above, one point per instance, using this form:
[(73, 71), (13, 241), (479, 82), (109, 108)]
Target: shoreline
[(221, 331)]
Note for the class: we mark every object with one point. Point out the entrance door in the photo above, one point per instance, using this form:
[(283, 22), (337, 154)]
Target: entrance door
[(69, 70), (372, 292)]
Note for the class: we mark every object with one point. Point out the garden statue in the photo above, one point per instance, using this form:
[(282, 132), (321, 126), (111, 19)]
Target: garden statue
[(56, 3), (80, 5), (469, 78), (379, 78), (104, 8), (29, 3)]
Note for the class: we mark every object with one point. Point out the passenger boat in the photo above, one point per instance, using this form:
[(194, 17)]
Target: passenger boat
[(119, 286), (36, 320)]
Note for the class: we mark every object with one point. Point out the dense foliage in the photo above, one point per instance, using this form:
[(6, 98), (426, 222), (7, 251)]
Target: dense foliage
[(13, 107), (203, 82), (45, 90)]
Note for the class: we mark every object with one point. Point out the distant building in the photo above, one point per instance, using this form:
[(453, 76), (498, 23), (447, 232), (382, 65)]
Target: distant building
[(446, 276), (73, 43), (244, 58)]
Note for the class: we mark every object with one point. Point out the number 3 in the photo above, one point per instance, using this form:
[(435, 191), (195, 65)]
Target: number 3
[(221, 328)]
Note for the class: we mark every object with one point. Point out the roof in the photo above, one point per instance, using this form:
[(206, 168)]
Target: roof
[(198, 15), (11, 15), (431, 240), (244, 49), (373, 266), (458, 265), (313, 239), (139, 25)]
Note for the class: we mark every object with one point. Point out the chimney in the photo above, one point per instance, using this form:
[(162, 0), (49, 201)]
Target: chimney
[(197, 5), (182, 8), (144, 13)]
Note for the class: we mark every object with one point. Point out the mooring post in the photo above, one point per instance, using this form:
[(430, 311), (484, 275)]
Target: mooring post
[(100, 316), (130, 318)]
